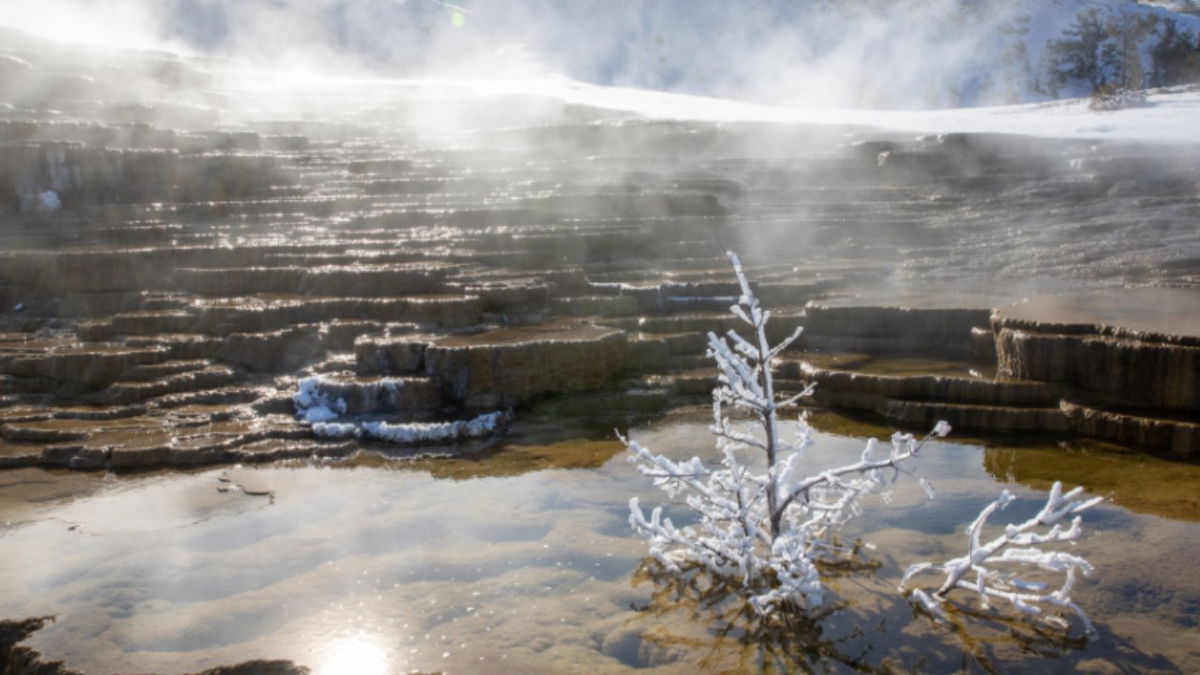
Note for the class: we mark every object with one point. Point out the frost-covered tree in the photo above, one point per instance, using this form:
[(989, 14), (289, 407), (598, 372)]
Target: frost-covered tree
[(764, 531), (765, 534)]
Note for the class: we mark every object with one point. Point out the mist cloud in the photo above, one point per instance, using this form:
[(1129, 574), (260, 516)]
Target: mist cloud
[(816, 53)]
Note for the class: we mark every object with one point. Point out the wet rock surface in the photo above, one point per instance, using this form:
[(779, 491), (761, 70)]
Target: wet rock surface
[(174, 259), (511, 366), (1120, 360)]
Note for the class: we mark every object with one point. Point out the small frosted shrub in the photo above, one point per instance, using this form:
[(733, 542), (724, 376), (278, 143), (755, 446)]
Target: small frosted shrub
[(765, 535)]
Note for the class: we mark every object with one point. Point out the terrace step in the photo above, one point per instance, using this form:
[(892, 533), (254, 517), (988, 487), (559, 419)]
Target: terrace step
[(72, 363), (133, 391), (151, 371), (568, 259), (990, 418)]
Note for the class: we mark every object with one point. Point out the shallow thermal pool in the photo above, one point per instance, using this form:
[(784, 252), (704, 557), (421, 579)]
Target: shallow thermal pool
[(520, 559)]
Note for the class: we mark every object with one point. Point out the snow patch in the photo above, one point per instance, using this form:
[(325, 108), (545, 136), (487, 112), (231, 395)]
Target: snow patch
[(414, 433), (48, 201), (338, 430), (314, 405), (324, 411), (434, 432)]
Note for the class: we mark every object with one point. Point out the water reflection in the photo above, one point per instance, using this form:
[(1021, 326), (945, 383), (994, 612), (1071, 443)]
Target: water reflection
[(524, 562), (1138, 482)]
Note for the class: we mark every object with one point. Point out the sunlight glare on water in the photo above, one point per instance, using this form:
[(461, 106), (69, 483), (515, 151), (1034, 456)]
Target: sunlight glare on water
[(353, 655)]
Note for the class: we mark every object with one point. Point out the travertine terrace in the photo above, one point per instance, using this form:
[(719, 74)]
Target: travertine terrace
[(179, 248)]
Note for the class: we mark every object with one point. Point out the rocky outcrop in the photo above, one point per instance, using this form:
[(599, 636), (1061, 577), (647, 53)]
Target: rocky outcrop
[(81, 176), (508, 367), (891, 329), (985, 418), (920, 401), (359, 280), (1131, 379), (88, 366), (283, 350), (132, 391), (357, 395), (17, 659), (1176, 437), (655, 351), (504, 367), (991, 405), (1144, 371), (403, 354), (1020, 393), (596, 305)]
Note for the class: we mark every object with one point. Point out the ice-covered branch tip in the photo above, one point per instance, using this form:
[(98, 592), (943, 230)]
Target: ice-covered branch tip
[(1012, 556)]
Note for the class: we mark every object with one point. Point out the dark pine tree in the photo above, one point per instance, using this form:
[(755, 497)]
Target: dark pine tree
[(1080, 54), (1175, 57)]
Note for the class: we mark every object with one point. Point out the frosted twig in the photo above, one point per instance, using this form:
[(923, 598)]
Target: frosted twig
[(1019, 546)]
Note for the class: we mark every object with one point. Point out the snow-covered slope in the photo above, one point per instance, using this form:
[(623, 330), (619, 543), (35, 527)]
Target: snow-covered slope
[(1169, 115), (822, 53)]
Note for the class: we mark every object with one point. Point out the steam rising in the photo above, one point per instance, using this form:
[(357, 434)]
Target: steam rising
[(930, 53)]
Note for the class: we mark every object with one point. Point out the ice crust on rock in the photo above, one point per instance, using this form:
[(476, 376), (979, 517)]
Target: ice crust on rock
[(324, 412), (48, 201), (314, 405), (413, 433), (339, 430), (434, 432)]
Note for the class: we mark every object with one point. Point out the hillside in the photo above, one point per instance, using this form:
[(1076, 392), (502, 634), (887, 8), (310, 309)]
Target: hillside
[(844, 54)]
